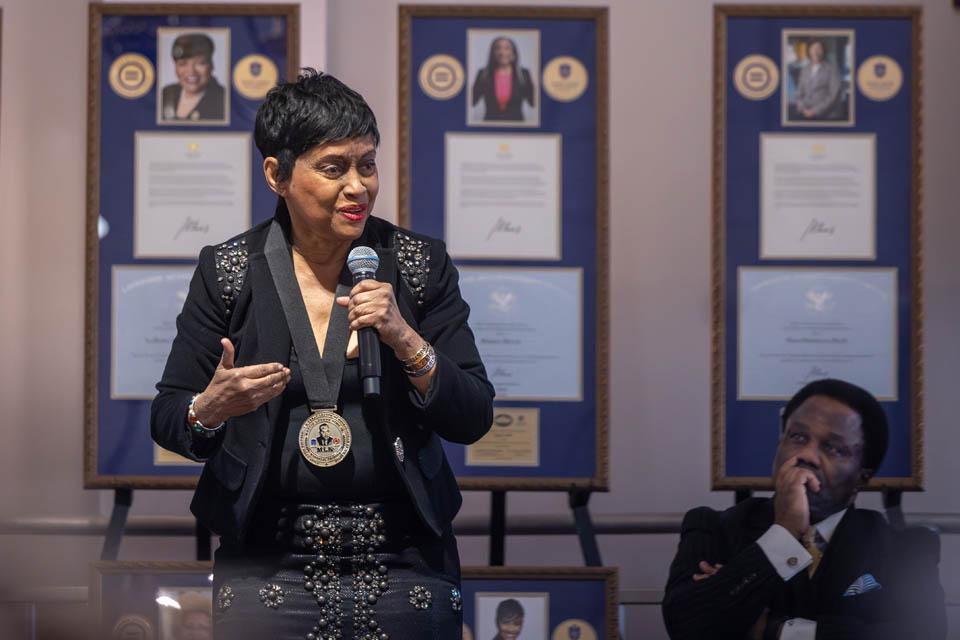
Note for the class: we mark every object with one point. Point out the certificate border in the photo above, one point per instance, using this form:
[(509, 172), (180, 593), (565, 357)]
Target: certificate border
[(406, 77), (558, 249), (895, 303), (225, 122), (719, 479), (114, 270), (140, 135), (851, 120), (580, 343), (873, 213), (610, 576), (92, 479), (536, 80)]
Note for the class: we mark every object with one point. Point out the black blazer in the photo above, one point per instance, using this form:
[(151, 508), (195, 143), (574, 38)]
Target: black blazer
[(910, 603), (458, 407), (484, 88), (210, 107)]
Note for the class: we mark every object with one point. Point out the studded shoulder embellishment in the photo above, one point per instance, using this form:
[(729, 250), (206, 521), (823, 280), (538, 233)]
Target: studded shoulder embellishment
[(413, 262), (231, 263)]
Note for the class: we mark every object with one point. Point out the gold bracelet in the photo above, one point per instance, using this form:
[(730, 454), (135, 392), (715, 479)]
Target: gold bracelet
[(419, 355)]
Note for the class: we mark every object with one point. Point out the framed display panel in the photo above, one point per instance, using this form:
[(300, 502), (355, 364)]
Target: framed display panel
[(816, 232), (551, 602), (504, 155), (173, 91), (152, 599)]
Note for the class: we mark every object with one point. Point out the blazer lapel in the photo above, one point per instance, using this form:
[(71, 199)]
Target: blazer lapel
[(845, 558), (273, 335)]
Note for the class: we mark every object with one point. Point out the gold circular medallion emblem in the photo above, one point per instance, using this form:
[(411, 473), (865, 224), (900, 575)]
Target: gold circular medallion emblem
[(441, 76), (132, 627), (880, 78), (574, 629), (325, 438), (756, 77), (131, 75), (565, 79), (254, 76)]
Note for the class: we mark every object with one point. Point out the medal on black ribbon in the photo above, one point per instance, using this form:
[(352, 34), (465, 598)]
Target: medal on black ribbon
[(325, 436)]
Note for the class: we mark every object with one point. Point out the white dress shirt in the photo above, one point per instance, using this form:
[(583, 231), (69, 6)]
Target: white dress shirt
[(789, 558)]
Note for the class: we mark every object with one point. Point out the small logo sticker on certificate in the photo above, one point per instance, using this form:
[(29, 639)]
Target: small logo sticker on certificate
[(131, 75), (254, 76), (574, 630), (513, 440), (756, 77), (880, 78), (441, 77), (565, 79)]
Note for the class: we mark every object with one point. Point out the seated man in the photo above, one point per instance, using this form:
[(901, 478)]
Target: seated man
[(806, 564)]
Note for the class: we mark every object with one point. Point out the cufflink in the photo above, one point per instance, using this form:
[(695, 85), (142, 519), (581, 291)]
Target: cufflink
[(792, 561)]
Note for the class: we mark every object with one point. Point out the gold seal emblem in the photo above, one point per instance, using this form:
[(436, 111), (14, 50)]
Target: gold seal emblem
[(565, 79), (325, 438), (254, 76), (574, 630), (756, 77), (131, 75), (441, 76), (880, 78), (132, 627)]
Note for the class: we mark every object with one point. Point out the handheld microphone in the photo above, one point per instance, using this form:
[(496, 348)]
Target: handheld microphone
[(363, 263)]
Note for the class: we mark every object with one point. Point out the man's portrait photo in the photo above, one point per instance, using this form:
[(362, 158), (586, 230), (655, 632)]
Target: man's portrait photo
[(817, 77), (193, 73), (512, 616), (503, 72)]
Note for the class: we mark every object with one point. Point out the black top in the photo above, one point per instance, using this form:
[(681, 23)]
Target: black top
[(367, 474)]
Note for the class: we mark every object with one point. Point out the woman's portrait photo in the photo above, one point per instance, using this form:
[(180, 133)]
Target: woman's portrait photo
[(817, 72), (512, 616), (193, 73), (504, 70)]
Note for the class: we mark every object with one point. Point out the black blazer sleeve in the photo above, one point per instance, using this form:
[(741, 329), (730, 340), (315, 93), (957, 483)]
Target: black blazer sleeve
[(190, 366), (727, 604), (528, 93), (459, 403)]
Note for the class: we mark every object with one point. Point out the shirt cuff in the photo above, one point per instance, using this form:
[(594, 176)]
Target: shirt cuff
[(798, 629), (784, 552)]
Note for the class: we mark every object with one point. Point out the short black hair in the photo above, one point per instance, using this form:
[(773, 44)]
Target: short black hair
[(873, 419), (188, 45), (509, 610), (314, 109)]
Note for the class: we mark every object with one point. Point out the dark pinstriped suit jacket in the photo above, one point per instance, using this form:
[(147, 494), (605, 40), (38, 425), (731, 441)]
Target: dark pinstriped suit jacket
[(910, 603)]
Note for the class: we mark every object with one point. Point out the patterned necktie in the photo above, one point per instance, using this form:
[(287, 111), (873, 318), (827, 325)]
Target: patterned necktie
[(814, 543)]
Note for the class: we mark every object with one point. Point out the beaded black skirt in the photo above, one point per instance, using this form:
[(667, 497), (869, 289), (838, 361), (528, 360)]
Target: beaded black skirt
[(337, 572)]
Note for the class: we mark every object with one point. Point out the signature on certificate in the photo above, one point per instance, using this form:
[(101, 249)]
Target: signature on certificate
[(503, 226), (191, 226), (818, 228)]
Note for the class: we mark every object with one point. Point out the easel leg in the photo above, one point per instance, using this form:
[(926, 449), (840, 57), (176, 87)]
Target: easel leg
[(892, 504), (498, 528), (122, 499), (203, 543), (581, 518)]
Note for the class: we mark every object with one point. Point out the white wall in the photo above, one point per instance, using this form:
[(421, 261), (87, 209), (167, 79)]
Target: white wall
[(660, 107)]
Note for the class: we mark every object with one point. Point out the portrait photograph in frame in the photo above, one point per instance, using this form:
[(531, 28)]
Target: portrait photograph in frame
[(193, 76), (818, 68), (503, 69)]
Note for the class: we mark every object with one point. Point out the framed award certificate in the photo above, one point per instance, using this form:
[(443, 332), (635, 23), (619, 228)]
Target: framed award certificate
[(165, 177), (817, 258)]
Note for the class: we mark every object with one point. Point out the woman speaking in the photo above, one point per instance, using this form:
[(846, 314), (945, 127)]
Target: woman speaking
[(334, 507)]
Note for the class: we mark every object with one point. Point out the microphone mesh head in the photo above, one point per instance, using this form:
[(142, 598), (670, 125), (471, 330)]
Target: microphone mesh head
[(362, 260)]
